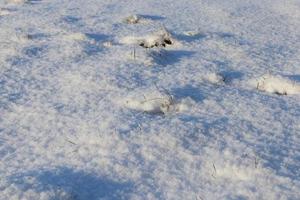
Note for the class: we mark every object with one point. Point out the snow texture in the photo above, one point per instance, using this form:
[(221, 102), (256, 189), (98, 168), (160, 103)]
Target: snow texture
[(161, 38), (156, 103), (185, 99), (277, 85)]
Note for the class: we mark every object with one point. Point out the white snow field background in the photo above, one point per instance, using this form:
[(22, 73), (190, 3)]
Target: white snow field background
[(149, 99)]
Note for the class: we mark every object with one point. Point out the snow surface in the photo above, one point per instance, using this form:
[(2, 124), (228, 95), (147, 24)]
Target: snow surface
[(84, 116), (278, 85), (161, 38)]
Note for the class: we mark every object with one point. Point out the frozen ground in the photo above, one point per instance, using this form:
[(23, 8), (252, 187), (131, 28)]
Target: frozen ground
[(185, 99)]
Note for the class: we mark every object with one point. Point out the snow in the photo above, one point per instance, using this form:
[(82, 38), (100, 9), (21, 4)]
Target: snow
[(75, 36), (214, 78), (4, 12), (278, 85), (140, 19), (93, 106), (133, 19), (161, 38), (157, 103), (17, 1)]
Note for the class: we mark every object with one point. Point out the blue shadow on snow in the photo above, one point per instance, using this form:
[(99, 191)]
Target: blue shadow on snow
[(76, 184)]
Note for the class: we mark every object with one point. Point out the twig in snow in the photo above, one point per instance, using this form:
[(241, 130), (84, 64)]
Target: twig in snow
[(139, 126), (199, 198), (215, 171), (71, 142), (255, 162), (134, 53)]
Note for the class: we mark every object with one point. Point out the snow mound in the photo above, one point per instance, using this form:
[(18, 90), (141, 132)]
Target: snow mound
[(277, 85), (13, 38), (17, 37), (4, 12), (157, 103), (133, 19), (161, 38), (140, 19), (235, 172), (17, 1), (74, 36), (214, 78)]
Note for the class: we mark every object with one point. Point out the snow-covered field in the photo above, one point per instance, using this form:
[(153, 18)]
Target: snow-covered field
[(149, 99)]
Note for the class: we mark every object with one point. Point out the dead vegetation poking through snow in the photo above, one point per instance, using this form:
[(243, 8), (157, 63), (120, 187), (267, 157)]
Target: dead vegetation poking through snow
[(132, 19), (277, 85), (157, 102), (161, 38)]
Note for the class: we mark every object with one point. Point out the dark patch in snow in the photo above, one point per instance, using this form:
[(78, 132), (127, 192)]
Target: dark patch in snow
[(294, 77), (95, 46), (97, 37), (136, 19), (224, 35), (37, 36), (170, 57), (230, 76), (35, 51), (153, 17), (163, 43), (71, 19), (32, 2), (191, 38), (67, 183), (221, 64), (92, 49), (236, 197), (188, 91)]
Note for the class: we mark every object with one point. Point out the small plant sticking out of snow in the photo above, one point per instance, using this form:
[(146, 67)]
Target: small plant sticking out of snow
[(138, 19), (36, 36), (132, 19), (277, 85), (139, 55), (152, 57), (107, 44), (19, 37), (158, 103), (161, 38)]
